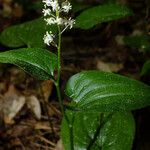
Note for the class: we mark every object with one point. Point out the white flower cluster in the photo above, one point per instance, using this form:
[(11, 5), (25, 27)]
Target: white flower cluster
[(51, 11)]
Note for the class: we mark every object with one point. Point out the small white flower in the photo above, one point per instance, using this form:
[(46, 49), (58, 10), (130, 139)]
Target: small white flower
[(70, 22), (48, 38), (51, 12), (50, 21), (47, 2), (55, 6), (59, 21), (46, 12), (66, 6), (53, 3)]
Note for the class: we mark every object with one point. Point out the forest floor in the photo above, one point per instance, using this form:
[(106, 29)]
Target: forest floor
[(32, 115)]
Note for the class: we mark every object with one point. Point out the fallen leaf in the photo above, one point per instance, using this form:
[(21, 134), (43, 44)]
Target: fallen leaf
[(34, 105), (17, 10), (42, 126), (7, 10), (109, 67), (18, 130), (47, 87), (12, 103), (59, 145)]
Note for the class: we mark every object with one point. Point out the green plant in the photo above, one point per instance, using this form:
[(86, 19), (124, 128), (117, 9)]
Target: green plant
[(141, 42), (99, 115), (145, 68)]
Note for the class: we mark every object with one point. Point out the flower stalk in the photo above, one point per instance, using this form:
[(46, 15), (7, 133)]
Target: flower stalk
[(52, 11)]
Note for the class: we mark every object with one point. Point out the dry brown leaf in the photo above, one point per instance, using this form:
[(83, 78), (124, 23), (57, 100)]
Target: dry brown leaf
[(12, 103), (16, 142), (18, 130), (52, 110), (47, 87), (7, 10), (59, 145), (34, 105), (3, 87), (109, 67), (46, 140), (17, 75), (42, 125), (17, 10)]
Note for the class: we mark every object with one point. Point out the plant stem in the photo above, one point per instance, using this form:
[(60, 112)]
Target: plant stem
[(57, 84), (69, 123)]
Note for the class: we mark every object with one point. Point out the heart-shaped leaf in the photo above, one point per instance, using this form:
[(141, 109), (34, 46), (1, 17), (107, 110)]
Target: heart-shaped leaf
[(38, 62), (101, 91), (95, 131), (29, 33), (99, 14)]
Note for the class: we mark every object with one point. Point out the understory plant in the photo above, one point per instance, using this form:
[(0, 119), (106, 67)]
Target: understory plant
[(139, 41), (99, 115)]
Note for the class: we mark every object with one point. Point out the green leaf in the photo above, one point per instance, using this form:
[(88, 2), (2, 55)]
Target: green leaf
[(95, 131), (29, 33), (139, 41), (38, 62), (145, 68), (78, 6), (101, 91), (99, 14)]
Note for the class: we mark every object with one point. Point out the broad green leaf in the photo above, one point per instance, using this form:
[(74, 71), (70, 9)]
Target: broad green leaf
[(29, 33), (78, 6), (99, 14), (38, 62), (101, 91), (95, 131), (145, 68), (140, 42)]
